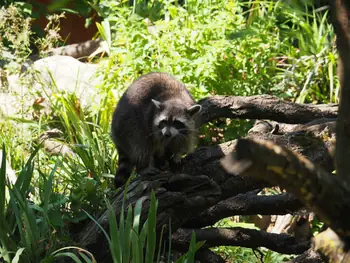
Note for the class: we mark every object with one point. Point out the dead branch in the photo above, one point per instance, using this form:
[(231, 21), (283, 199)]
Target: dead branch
[(322, 192), (340, 14), (331, 246), (246, 204), (315, 127), (263, 107), (309, 256), (207, 256), (242, 237), (78, 51), (202, 184)]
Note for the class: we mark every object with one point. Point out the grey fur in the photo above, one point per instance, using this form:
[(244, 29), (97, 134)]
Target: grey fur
[(144, 126)]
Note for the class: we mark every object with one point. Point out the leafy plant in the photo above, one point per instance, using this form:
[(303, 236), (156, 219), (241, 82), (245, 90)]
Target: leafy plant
[(130, 243), (15, 35), (29, 222)]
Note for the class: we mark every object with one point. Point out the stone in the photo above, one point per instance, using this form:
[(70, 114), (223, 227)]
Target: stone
[(48, 75)]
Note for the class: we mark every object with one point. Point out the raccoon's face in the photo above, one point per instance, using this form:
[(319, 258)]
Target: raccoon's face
[(173, 120)]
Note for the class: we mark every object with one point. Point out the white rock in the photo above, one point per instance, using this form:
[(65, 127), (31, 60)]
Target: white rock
[(50, 74)]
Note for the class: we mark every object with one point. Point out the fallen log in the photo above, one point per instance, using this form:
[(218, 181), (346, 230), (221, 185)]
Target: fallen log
[(203, 185)]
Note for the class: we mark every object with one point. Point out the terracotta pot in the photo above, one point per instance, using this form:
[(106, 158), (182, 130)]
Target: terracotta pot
[(72, 27)]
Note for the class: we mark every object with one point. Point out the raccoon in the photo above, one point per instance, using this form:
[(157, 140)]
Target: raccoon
[(155, 121)]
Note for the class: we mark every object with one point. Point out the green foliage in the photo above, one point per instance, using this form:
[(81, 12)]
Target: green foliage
[(216, 48), (26, 227), (18, 40), (242, 255), (15, 34), (129, 243), (311, 66), (224, 47), (86, 131)]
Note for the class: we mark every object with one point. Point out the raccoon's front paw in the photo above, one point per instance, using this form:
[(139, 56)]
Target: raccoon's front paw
[(161, 163), (119, 182), (151, 170), (175, 164)]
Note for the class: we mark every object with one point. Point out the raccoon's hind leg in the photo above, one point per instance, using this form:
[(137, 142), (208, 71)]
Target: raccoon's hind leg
[(124, 169)]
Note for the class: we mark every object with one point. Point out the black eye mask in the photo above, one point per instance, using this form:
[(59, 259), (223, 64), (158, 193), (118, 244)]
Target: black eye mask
[(178, 125), (162, 124)]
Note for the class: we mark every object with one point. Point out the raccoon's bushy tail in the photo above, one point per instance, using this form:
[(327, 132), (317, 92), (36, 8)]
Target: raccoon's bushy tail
[(124, 169)]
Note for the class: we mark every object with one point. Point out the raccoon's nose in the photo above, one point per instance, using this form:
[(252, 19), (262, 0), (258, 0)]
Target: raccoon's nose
[(167, 133)]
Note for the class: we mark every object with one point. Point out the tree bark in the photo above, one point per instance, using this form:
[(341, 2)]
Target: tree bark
[(340, 12), (246, 204), (309, 256), (323, 192), (200, 187), (263, 107), (243, 237)]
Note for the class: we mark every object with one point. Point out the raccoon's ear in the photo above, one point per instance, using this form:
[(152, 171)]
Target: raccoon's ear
[(193, 110), (157, 103)]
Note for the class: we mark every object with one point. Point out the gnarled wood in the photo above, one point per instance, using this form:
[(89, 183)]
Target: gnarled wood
[(246, 204), (309, 256), (324, 193), (341, 13), (331, 247), (203, 183), (263, 107), (243, 237)]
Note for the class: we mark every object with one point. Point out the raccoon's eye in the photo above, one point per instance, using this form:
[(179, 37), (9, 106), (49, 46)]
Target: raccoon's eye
[(162, 124), (179, 125)]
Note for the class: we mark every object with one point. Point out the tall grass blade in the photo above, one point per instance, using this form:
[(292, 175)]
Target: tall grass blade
[(121, 230), (58, 253), (2, 185), (70, 255), (151, 229), (169, 239), (48, 189), (4, 238), (25, 176), (115, 245), (18, 254), (86, 258), (160, 243), (137, 253), (32, 233), (128, 227), (191, 251), (137, 214), (98, 224)]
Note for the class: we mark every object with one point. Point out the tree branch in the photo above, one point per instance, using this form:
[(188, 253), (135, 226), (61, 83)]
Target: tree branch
[(263, 107), (331, 246), (246, 204), (207, 256), (203, 182), (322, 192), (316, 127), (309, 256), (340, 14), (242, 237)]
